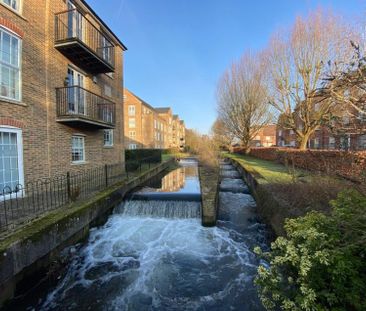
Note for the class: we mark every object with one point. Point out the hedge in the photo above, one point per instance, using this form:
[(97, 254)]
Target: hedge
[(144, 155), (347, 164)]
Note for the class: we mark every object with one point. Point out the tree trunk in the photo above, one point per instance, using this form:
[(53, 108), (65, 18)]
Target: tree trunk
[(304, 141), (246, 147)]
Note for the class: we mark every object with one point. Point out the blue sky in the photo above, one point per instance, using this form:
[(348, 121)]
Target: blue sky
[(177, 49)]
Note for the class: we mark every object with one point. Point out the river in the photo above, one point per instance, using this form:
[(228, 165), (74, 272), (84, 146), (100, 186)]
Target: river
[(153, 253)]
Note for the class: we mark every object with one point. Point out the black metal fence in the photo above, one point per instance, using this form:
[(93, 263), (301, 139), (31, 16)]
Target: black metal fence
[(22, 203)]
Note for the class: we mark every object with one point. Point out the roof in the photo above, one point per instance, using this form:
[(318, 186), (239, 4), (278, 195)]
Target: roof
[(104, 24), (175, 116), (163, 109), (181, 121), (141, 100)]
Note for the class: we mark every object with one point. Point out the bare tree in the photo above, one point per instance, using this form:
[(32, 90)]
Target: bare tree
[(242, 99), (220, 135), (346, 83), (297, 61)]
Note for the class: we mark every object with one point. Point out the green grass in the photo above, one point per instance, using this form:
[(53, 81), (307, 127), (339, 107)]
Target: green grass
[(267, 171)]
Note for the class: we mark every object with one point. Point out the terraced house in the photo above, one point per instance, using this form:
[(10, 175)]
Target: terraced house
[(61, 90)]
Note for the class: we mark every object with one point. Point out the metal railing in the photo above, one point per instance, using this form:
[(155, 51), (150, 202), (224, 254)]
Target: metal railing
[(77, 101), (23, 203), (71, 25)]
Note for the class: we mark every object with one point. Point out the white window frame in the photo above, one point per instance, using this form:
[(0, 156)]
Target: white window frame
[(82, 137), (132, 123), (110, 142), (132, 146), (18, 132), (9, 65), (131, 110), (18, 9)]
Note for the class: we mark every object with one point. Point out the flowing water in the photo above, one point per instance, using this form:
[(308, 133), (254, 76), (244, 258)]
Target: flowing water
[(155, 255)]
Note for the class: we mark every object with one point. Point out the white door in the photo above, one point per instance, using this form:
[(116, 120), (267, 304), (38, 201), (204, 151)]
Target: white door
[(11, 161), (76, 92)]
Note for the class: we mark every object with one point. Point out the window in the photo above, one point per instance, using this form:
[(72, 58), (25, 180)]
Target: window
[(362, 142), (11, 161), (316, 143), (78, 149), (131, 110), (107, 90), (155, 124), (331, 142), (14, 4), (132, 146), (108, 138), (132, 134), (10, 47), (132, 122)]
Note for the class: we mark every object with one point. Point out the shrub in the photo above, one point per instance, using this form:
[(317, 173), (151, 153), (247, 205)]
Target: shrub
[(320, 263)]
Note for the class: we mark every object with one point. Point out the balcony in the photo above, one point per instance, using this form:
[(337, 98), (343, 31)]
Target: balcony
[(81, 42), (79, 107)]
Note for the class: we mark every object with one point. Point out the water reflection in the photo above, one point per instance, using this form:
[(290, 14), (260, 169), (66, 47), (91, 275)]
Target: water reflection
[(182, 180)]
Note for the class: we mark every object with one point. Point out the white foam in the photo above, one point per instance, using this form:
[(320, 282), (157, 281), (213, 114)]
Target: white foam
[(169, 264)]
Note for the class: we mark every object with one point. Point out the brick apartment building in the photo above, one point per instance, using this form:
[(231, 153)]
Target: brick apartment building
[(167, 114), (61, 90), (144, 127), (178, 133), (148, 127), (266, 136)]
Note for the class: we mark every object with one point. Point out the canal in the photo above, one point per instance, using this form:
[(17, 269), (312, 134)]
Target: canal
[(153, 253)]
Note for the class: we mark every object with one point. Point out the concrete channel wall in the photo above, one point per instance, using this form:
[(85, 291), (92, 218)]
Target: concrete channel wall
[(37, 244), (268, 208), (209, 182)]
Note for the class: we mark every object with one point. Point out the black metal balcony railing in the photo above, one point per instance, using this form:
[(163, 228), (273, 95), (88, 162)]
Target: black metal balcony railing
[(78, 106), (79, 40)]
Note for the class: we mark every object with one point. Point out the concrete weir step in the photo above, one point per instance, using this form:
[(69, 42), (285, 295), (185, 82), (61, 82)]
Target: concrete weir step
[(227, 167), (230, 174), (233, 185), (167, 196)]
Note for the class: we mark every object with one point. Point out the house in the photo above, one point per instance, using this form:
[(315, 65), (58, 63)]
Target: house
[(60, 90), (266, 136), (346, 132)]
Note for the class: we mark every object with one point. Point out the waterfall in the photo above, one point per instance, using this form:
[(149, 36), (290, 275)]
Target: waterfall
[(160, 209)]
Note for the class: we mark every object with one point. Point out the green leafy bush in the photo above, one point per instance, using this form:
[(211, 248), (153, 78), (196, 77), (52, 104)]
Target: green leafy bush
[(321, 263)]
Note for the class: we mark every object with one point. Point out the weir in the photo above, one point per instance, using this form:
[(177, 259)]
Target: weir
[(155, 255), (160, 209)]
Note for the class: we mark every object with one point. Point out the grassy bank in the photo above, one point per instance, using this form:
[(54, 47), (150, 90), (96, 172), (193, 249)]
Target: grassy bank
[(283, 192), (267, 171)]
